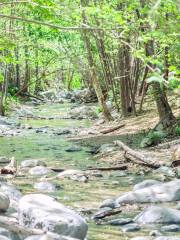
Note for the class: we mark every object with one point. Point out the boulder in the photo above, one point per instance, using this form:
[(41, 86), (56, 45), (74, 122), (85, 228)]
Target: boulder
[(131, 227), (76, 175), (49, 237), (156, 215), (39, 170), (165, 192), (166, 171), (73, 149), (4, 202), (32, 163), (146, 183), (120, 221), (83, 112), (42, 211), (44, 186), (4, 232), (141, 238), (167, 238), (4, 160), (12, 192), (4, 238), (171, 228)]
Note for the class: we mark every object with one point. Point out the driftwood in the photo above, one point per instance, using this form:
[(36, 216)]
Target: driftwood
[(167, 144), (175, 163), (109, 130), (136, 156), (13, 226), (107, 213), (122, 167), (11, 168), (58, 170)]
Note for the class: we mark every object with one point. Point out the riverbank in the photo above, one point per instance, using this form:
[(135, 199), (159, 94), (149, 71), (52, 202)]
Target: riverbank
[(46, 138)]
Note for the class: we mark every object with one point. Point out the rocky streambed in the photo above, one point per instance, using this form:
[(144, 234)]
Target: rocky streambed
[(57, 190)]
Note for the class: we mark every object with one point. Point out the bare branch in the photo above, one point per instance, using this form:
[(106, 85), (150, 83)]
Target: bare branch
[(55, 26)]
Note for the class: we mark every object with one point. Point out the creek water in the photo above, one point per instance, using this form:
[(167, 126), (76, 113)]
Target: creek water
[(51, 148)]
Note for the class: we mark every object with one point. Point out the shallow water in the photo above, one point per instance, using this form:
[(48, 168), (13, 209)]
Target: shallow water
[(51, 148)]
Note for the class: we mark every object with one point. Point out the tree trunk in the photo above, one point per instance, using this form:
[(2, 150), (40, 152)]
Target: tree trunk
[(27, 70), (166, 116), (94, 77)]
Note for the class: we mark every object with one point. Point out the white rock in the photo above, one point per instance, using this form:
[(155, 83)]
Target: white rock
[(4, 238), (146, 183), (39, 170), (70, 172), (165, 192), (37, 210), (4, 201), (13, 193), (32, 163), (45, 186), (141, 238), (4, 160), (156, 214), (47, 237), (167, 238)]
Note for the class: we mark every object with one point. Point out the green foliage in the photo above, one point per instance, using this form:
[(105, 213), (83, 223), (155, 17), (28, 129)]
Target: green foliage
[(177, 130), (76, 82), (99, 110), (153, 138)]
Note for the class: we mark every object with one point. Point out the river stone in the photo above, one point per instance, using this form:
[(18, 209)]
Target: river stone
[(155, 233), (108, 203), (120, 221), (167, 238), (156, 214), (72, 174), (141, 238), (47, 237), (165, 192), (83, 112), (4, 232), (167, 171), (146, 183), (32, 163), (39, 170), (4, 160), (132, 227), (4, 202), (4, 238), (73, 149), (13, 193), (39, 210), (45, 186), (170, 228)]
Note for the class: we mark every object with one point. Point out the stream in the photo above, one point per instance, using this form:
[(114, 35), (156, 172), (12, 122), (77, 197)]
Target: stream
[(82, 196)]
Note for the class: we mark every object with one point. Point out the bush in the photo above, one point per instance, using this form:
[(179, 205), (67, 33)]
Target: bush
[(177, 131)]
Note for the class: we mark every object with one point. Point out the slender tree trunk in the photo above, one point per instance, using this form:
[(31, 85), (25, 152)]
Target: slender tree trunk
[(166, 116), (27, 70), (38, 86), (95, 81), (17, 75)]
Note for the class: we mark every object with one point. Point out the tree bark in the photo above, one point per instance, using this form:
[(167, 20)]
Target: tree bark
[(95, 81)]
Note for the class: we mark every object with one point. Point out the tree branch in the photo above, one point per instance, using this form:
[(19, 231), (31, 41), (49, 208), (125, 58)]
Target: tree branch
[(55, 26)]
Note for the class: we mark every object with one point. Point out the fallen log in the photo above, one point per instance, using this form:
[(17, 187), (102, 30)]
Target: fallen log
[(58, 170), (109, 130), (137, 157), (122, 167), (12, 225), (106, 213)]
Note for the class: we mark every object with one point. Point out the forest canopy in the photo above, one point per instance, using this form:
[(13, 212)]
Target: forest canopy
[(121, 49)]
